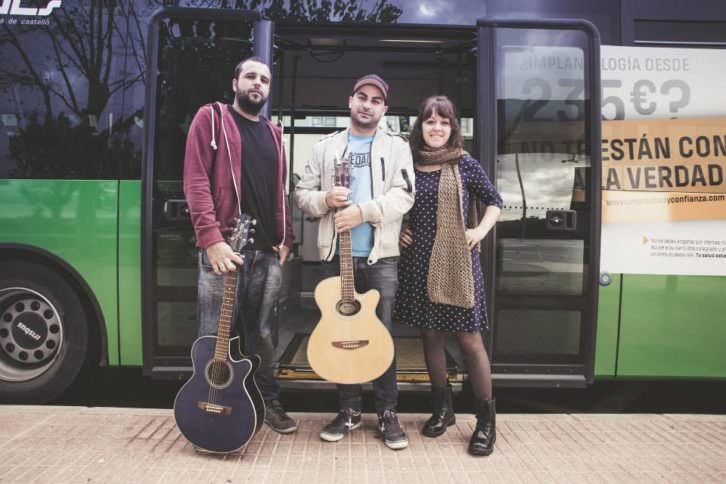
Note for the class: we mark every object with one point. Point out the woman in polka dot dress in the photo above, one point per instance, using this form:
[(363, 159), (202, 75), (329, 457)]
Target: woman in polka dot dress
[(441, 287)]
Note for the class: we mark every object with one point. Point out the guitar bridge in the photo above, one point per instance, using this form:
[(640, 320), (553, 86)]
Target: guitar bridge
[(214, 409), (350, 345)]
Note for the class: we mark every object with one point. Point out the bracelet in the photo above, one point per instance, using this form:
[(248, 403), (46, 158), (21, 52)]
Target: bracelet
[(360, 210)]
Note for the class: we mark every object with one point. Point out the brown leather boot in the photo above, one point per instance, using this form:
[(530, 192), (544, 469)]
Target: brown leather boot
[(443, 407), (485, 432)]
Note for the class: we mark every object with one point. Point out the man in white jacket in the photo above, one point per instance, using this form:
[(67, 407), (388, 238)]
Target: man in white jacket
[(381, 192)]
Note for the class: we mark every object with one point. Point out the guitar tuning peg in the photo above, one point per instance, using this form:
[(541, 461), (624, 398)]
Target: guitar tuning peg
[(251, 240), (253, 222), (251, 231)]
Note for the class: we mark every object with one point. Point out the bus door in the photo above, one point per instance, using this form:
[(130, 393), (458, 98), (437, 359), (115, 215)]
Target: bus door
[(539, 134), (316, 67), (192, 54)]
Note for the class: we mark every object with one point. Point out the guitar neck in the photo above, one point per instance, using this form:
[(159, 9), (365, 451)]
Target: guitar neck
[(226, 312), (347, 283)]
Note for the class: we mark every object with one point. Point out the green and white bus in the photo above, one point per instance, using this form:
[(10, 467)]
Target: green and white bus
[(601, 123)]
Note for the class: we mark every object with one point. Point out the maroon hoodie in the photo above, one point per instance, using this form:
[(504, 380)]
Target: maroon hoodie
[(212, 170)]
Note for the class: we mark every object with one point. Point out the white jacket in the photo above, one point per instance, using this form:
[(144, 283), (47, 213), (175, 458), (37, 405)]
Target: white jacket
[(393, 188)]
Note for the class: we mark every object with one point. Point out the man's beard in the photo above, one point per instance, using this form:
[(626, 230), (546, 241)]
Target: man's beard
[(369, 124), (248, 105)]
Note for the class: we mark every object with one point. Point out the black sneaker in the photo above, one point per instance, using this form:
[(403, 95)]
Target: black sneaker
[(346, 420), (393, 434), (277, 419)]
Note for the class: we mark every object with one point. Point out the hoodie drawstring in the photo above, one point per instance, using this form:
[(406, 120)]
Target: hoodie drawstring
[(213, 144)]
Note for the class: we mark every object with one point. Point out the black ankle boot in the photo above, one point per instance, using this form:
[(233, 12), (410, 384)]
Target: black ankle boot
[(443, 406), (485, 432)]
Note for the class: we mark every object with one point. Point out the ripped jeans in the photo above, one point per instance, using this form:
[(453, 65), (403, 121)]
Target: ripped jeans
[(255, 316)]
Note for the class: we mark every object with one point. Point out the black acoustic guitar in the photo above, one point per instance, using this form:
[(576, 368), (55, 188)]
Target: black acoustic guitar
[(220, 408)]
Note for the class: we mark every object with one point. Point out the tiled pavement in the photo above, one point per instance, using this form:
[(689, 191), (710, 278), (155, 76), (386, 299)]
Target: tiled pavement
[(77, 444)]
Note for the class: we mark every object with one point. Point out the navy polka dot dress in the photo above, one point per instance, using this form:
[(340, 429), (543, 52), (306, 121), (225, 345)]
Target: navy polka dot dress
[(413, 307)]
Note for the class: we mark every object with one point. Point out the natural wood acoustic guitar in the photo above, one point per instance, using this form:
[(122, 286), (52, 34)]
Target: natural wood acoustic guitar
[(349, 344)]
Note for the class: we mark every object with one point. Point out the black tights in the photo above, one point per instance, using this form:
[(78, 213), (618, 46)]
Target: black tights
[(471, 344)]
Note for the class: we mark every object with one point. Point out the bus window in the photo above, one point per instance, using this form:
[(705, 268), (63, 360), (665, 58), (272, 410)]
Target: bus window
[(69, 102)]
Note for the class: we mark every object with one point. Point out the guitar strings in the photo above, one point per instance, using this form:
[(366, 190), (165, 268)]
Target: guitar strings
[(225, 312), (229, 293), (347, 268), (341, 176)]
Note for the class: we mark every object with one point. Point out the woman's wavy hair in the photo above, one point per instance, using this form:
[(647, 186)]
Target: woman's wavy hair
[(442, 106)]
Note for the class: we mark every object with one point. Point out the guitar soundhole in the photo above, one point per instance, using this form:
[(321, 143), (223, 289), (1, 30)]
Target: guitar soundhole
[(219, 374), (348, 308)]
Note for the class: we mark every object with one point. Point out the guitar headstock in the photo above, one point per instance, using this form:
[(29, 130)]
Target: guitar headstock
[(242, 232), (342, 171)]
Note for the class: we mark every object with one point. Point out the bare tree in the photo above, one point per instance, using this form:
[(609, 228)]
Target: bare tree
[(83, 41), (323, 11), (94, 50), (81, 44)]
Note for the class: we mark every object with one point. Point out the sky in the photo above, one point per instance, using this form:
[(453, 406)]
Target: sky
[(459, 12)]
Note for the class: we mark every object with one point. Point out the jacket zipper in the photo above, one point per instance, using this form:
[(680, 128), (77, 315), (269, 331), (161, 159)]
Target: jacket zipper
[(282, 184), (370, 168)]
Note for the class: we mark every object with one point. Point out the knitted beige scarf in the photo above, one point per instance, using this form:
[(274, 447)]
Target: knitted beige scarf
[(450, 279)]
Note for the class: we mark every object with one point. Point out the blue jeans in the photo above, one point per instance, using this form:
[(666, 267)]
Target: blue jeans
[(383, 276), (258, 286)]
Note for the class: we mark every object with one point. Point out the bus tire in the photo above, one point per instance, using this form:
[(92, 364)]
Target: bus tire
[(43, 333)]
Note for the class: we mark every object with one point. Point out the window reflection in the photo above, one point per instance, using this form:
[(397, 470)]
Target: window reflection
[(64, 87)]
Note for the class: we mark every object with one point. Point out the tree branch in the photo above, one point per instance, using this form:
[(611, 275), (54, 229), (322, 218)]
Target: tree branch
[(109, 42), (91, 40), (75, 44), (65, 101), (62, 70), (125, 84), (140, 31), (38, 81)]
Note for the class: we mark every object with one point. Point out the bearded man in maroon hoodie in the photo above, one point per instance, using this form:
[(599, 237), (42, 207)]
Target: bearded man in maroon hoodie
[(234, 163)]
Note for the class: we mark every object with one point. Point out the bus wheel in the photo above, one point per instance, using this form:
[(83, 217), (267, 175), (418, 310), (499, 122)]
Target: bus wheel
[(43, 333)]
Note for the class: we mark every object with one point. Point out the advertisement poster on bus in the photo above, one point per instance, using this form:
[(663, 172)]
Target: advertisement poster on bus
[(664, 161), (663, 150)]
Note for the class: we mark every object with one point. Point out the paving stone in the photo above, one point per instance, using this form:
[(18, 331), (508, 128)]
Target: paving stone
[(137, 446)]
